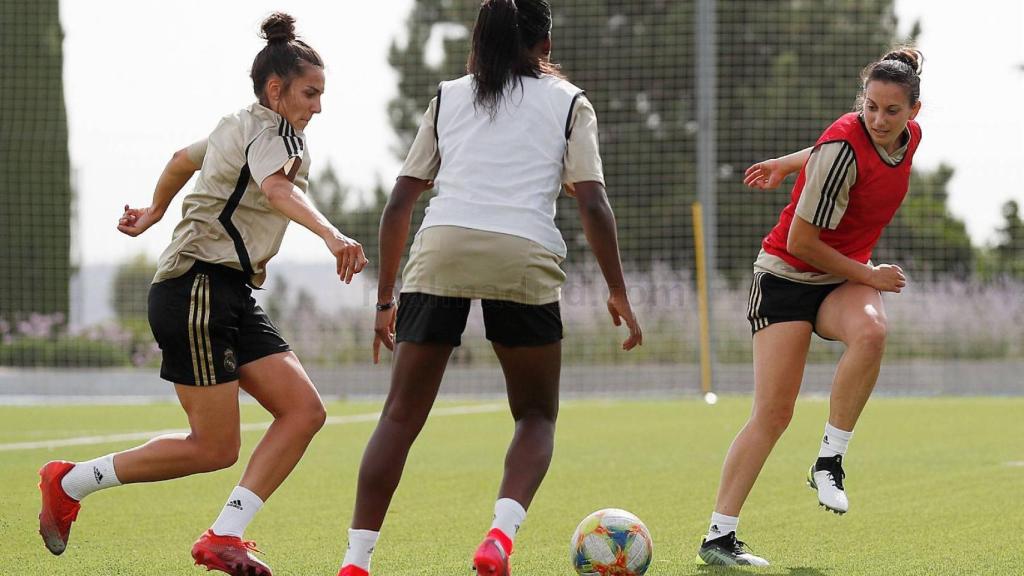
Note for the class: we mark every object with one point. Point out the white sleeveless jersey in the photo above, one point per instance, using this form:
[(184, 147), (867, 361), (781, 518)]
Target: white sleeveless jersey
[(503, 174)]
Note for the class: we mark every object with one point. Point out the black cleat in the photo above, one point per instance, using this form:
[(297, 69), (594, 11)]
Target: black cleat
[(727, 551)]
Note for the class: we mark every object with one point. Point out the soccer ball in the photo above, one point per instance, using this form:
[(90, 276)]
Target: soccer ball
[(611, 542)]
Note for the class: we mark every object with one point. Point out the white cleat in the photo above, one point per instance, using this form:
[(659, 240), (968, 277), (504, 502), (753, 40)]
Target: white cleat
[(826, 477)]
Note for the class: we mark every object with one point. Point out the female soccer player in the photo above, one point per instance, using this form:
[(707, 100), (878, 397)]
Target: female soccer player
[(213, 335), (814, 275), (497, 143)]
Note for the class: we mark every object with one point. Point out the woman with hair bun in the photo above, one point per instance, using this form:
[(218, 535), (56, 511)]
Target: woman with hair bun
[(214, 338), (814, 276), (498, 145)]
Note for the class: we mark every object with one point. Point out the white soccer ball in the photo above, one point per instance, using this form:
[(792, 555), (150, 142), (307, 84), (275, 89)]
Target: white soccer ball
[(611, 542)]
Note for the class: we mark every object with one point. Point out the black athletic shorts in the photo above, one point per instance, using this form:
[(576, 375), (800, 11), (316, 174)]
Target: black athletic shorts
[(426, 318), (208, 325), (774, 299)]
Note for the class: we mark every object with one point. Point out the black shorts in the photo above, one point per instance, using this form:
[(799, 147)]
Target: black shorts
[(774, 299), (208, 325), (424, 318)]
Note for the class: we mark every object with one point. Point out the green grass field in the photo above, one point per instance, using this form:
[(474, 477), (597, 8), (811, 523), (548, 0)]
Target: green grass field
[(936, 487)]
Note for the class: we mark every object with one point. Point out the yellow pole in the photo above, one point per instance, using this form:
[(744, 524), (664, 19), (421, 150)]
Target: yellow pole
[(702, 299)]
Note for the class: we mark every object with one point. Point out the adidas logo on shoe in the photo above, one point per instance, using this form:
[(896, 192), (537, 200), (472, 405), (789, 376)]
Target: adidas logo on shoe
[(235, 504), (97, 474)]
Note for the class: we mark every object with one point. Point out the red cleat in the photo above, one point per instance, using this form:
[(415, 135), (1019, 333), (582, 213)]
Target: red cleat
[(352, 570), (59, 510), (490, 558), (229, 554)]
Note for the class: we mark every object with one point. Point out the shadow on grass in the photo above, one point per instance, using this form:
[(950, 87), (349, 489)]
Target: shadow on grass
[(774, 571)]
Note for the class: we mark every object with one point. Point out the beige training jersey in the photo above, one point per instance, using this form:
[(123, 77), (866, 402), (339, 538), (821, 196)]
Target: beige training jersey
[(227, 219)]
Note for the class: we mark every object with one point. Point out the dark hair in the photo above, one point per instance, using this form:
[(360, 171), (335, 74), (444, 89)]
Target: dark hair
[(903, 65), (284, 54), (505, 32)]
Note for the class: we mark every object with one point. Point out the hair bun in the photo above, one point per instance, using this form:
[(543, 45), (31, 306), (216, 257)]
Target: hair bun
[(278, 28), (910, 56)]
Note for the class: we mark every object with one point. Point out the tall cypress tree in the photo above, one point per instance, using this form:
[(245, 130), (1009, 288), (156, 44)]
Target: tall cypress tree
[(35, 186)]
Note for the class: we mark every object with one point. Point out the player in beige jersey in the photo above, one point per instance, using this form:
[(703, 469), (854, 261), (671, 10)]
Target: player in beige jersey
[(497, 145), (213, 336)]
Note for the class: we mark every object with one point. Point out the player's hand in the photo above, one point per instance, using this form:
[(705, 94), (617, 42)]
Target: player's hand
[(384, 331), (135, 221), (887, 278), (766, 175), (348, 254), (619, 308)]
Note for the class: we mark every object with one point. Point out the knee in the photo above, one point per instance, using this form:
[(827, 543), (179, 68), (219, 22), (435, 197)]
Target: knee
[(315, 417), (309, 419), (773, 422), (536, 416), (217, 456), (404, 416), (871, 335)]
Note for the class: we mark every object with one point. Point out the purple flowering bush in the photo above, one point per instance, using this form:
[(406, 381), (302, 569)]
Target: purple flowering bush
[(43, 340), (939, 320)]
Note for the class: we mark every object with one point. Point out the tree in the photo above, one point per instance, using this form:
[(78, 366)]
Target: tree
[(924, 237), (356, 217), (130, 296), (1010, 248), (35, 183)]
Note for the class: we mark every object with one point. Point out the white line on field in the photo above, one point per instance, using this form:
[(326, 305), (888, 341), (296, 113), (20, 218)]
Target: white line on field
[(1016, 464), (331, 421)]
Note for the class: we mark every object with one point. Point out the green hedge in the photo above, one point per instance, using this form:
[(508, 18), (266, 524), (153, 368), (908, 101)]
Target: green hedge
[(63, 352)]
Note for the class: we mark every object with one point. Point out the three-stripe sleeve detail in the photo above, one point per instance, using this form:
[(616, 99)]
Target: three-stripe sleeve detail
[(292, 143), (199, 341), (833, 185)]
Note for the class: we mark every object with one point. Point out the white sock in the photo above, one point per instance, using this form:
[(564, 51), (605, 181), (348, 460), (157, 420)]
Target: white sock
[(239, 510), (721, 525), (360, 548), (508, 517), (834, 441), (88, 477)]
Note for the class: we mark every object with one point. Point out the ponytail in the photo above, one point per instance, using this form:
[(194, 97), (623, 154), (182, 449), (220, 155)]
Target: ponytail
[(505, 33)]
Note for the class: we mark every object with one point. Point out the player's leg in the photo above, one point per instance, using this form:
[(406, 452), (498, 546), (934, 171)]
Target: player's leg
[(780, 352), (188, 321), (853, 314), (280, 384), (428, 328), (212, 444), (527, 341)]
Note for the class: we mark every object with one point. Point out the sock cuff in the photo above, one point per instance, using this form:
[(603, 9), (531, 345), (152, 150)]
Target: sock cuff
[(109, 461), (359, 535), (717, 518), (502, 538), (511, 505), (833, 431), (243, 492)]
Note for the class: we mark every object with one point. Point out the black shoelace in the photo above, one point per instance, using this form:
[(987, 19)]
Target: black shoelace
[(738, 546), (834, 467)]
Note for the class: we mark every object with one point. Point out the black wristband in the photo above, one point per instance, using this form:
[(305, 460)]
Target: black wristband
[(386, 306)]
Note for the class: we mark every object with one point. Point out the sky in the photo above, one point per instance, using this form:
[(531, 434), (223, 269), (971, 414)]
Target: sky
[(143, 79)]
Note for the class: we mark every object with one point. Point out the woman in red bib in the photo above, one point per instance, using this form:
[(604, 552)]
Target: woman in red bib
[(814, 275)]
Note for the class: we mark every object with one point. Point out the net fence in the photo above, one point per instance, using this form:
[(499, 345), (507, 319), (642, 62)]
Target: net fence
[(783, 71)]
